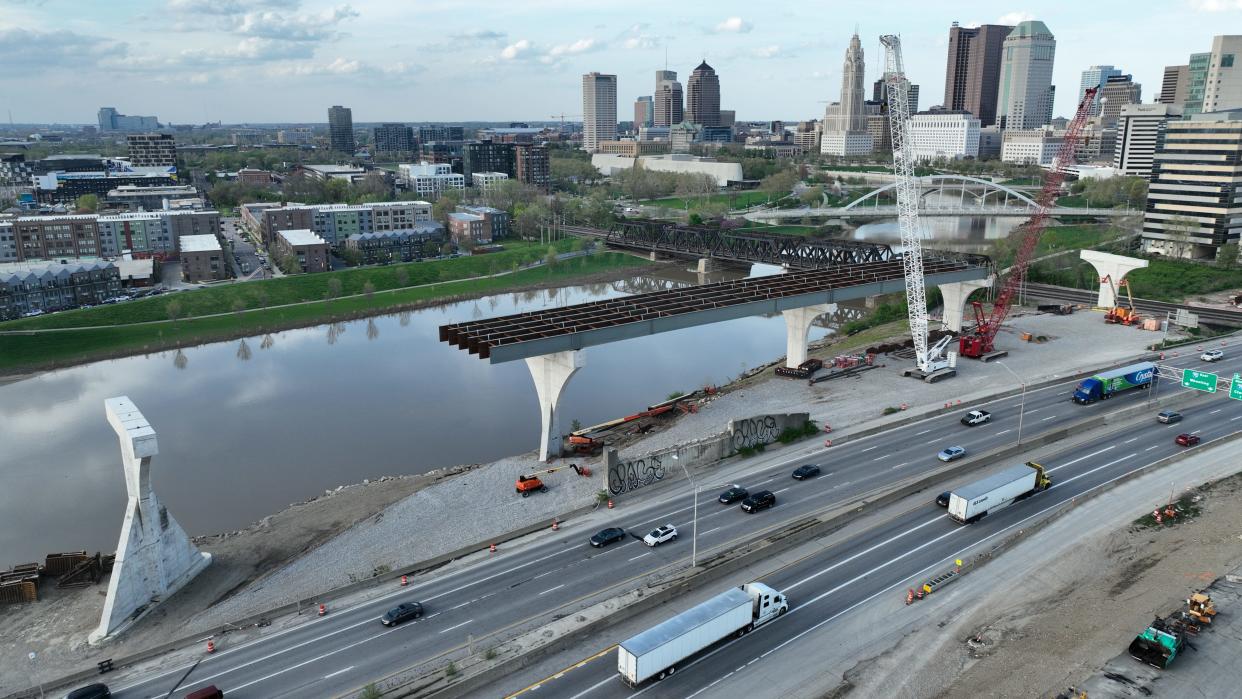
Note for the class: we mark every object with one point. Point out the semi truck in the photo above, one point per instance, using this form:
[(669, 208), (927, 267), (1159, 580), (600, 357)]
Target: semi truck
[(657, 652), (1106, 384), (975, 500)]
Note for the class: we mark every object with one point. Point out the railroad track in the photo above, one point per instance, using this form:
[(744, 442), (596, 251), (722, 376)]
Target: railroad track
[(1215, 316)]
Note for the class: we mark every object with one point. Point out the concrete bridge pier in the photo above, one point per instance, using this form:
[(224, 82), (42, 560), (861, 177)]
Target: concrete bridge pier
[(154, 557), (551, 372), (1113, 266), (955, 295), (707, 265), (797, 325)]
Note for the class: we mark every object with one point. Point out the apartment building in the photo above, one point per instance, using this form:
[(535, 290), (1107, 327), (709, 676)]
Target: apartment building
[(478, 224), (57, 287), (531, 166), (430, 180), (415, 243), (202, 259), (1030, 146), (310, 251), (152, 150), (1139, 127), (950, 135), (487, 181)]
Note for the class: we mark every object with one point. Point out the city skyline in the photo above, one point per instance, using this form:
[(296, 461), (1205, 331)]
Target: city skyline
[(272, 61)]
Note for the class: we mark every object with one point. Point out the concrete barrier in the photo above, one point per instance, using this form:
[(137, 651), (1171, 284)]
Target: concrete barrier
[(478, 671)]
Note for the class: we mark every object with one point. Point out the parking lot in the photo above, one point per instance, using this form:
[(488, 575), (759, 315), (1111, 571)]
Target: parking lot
[(248, 262)]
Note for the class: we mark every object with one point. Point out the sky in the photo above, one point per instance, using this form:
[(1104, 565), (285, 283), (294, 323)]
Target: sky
[(265, 61)]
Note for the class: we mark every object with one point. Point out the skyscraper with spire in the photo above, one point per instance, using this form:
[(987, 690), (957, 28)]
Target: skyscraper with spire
[(845, 131), (703, 96), (667, 98)]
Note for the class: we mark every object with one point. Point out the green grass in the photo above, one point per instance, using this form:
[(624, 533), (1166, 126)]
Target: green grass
[(292, 289), (1074, 237), (20, 353), (780, 229), (1022, 181), (858, 168), (1161, 280), (735, 200)]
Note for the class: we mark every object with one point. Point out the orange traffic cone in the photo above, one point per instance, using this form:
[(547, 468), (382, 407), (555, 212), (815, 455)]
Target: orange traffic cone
[(555, 525), (322, 610), (211, 646), (492, 548), (909, 597), (404, 582), (610, 505)]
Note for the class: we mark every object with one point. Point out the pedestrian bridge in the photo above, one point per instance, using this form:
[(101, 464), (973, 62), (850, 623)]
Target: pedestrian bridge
[(955, 195), (551, 340)]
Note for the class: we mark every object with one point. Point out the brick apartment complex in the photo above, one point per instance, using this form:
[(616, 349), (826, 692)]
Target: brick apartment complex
[(417, 242), (309, 249), (478, 224), (56, 287), (202, 259)]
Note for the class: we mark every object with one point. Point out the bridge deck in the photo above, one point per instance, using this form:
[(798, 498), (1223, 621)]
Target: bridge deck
[(536, 333)]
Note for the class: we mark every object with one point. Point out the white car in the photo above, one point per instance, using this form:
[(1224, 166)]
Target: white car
[(660, 535), (1212, 355)]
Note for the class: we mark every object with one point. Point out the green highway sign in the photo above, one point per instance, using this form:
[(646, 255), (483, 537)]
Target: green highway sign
[(1200, 381), (1235, 388)]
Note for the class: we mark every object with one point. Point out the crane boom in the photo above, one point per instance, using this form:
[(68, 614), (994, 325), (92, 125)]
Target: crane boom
[(912, 234), (982, 340)]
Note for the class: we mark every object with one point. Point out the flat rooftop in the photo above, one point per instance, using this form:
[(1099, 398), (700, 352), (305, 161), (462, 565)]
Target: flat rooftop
[(301, 236), (199, 243)]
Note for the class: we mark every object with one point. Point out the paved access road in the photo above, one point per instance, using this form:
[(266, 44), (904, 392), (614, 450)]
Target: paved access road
[(890, 558), (349, 647)]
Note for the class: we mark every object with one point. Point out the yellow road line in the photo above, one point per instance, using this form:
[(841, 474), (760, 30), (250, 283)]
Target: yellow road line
[(557, 675)]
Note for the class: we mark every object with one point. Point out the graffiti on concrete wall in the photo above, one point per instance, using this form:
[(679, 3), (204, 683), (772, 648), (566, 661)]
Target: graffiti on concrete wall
[(626, 476), (752, 432)]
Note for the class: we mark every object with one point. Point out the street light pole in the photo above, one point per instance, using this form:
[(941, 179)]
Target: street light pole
[(1022, 407), (694, 535)]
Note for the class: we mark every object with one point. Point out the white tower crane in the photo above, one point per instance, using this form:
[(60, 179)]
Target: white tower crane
[(931, 364)]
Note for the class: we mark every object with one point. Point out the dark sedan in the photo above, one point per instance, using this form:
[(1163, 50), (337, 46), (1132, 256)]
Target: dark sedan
[(806, 471), (733, 494), (402, 613), (607, 536)]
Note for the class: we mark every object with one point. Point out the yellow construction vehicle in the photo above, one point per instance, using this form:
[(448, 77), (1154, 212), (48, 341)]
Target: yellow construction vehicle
[(1118, 314), (1199, 607)]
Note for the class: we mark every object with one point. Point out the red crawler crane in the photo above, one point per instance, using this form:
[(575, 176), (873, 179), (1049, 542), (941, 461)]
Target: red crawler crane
[(979, 343)]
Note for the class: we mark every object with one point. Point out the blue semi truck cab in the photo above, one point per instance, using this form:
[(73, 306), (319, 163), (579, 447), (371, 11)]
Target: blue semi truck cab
[(1106, 384)]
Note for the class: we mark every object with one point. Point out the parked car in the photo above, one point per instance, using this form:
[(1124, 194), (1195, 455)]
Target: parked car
[(806, 471), (976, 417), (761, 500), (208, 692), (607, 536), (660, 535), (1169, 417), (1212, 355), (93, 691), (943, 499), (1186, 439), (733, 494), (402, 613), (951, 453)]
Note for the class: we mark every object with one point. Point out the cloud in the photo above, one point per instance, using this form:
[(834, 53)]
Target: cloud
[(307, 27), (767, 51), (579, 46), (229, 7), (1015, 17), (344, 67), (1215, 5), (518, 50), (479, 36), (28, 47), (734, 25)]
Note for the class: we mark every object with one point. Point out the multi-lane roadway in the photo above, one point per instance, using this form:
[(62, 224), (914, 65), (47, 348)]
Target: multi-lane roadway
[(349, 647)]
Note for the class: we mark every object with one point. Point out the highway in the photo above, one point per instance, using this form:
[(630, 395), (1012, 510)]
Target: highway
[(342, 651)]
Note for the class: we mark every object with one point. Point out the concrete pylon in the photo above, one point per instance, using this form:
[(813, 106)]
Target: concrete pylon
[(955, 295), (797, 325), (154, 557), (1113, 266), (551, 372)]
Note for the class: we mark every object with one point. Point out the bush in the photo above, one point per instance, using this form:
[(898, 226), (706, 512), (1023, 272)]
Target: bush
[(890, 410), (489, 654), (370, 692), (451, 669), (675, 395)]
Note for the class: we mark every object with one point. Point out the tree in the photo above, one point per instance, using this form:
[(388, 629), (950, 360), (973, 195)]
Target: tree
[(1227, 256), (1180, 229), (446, 204), (334, 288), (351, 256), (812, 196), (238, 306), (374, 187), (87, 203), (550, 258), (779, 184), (403, 276), (173, 309), (368, 289)]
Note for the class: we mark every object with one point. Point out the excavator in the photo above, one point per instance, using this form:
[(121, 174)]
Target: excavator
[(528, 483), (1118, 314)]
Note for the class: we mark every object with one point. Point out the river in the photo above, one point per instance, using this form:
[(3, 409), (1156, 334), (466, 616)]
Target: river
[(248, 427)]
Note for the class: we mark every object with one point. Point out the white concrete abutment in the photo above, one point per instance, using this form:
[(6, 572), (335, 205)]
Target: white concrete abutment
[(954, 296), (551, 372), (1110, 267), (797, 325)]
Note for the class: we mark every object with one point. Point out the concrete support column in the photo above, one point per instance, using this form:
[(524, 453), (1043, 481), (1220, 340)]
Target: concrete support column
[(797, 325), (551, 372), (955, 295), (154, 557), (1115, 267), (706, 265)]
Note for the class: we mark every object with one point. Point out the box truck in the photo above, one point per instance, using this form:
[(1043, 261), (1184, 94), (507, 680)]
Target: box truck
[(1107, 383), (657, 651), (975, 500)]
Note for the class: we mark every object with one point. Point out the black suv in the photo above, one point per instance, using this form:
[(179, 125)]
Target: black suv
[(401, 613), (733, 494), (761, 500), (805, 471), (94, 691), (607, 536)]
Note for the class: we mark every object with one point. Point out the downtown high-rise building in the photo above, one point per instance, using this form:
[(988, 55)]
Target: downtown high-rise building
[(879, 93), (1024, 100), (703, 96), (599, 110), (152, 150), (1223, 89), (972, 76), (1174, 86), (668, 100), (845, 124), (1139, 127), (1117, 92), (644, 112), (1095, 76), (391, 138), (341, 129)]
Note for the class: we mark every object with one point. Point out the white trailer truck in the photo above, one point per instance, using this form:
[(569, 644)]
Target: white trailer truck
[(657, 651), (975, 500)]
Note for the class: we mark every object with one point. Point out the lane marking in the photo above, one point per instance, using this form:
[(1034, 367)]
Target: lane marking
[(1151, 447), (781, 490), (463, 604), (1213, 412), (904, 463), (877, 446), (1132, 439), (886, 542), (709, 531), (920, 434), (880, 459), (338, 672), (1088, 456), (588, 690), (645, 554), (1235, 418), (1097, 468), (1033, 410), (553, 589), (1050, 417), (933, 440), (458, 626), (1003, 432)]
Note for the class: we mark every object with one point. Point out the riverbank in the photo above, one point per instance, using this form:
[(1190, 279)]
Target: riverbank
[(70, 343)]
